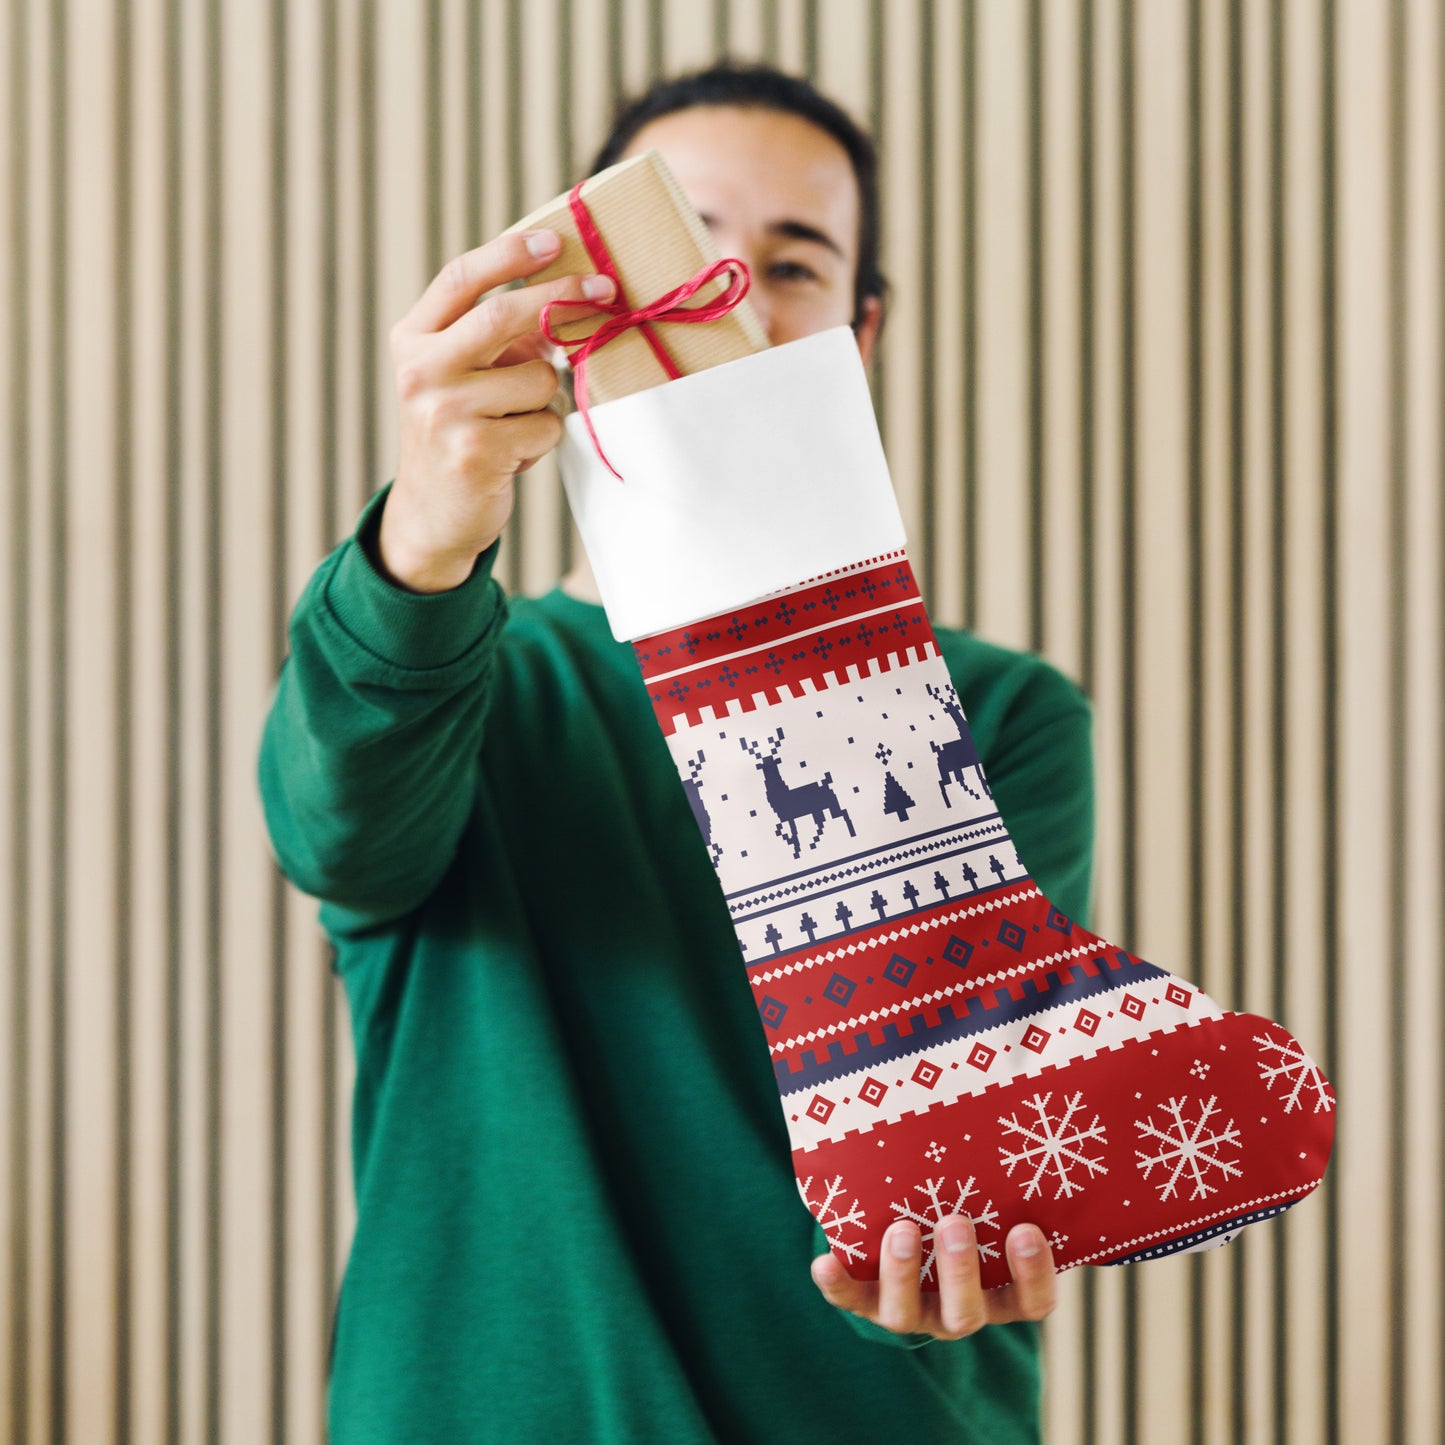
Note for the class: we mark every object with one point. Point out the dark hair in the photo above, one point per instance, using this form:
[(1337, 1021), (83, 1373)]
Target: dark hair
[(766, 88)]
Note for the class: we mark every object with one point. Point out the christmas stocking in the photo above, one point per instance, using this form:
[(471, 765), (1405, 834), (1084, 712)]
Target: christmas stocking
[(944, 1039)]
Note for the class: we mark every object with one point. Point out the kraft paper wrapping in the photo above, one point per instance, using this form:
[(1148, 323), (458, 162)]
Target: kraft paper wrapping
[(657, 241)]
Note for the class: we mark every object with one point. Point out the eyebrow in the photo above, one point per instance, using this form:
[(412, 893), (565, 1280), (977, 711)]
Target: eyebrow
[(796, 231)]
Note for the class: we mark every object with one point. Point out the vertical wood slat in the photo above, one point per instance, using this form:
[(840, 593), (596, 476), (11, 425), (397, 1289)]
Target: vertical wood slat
[(15, 1159), (1396, 565), (1167, 408), (57, 617), (1330, 644), (1194, 466), (1308, 1289), (1423, 832)]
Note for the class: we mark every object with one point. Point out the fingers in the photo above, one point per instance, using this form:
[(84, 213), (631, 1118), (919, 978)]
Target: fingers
[(533, 347), (1034, 1291), (521, 440), (841, 1289), (465, 278), (961, 1306), (439, 404), (480, 337), (900, 1307), (512, 390), (475, 451)]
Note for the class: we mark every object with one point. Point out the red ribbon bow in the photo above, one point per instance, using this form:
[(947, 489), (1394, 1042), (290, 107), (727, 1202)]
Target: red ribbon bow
[(622, 316)]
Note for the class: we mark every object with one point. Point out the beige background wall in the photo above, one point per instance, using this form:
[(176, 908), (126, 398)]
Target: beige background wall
[(1163, 393)]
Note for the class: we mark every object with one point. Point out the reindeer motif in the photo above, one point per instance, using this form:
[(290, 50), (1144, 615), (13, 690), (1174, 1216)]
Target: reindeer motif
[(692, 786), (957, 754), (812, 800)]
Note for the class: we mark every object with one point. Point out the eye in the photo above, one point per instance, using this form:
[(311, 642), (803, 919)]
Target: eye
[(791, 271)]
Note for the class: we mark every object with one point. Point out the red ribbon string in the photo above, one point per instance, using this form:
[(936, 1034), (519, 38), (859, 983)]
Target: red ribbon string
[(622, 316)]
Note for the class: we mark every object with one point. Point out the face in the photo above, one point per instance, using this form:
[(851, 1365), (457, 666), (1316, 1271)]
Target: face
[(778, 193)]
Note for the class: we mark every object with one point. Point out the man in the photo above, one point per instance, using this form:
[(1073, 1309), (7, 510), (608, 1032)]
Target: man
[(577, 1217)]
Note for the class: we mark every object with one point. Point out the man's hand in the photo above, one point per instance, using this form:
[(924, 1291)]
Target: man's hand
[(961, 1306), (473, 391)]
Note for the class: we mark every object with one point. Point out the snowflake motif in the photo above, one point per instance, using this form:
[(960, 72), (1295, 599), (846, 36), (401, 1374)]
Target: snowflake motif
[(833, 1219), (1188, 1147), (1053, 1146), (935, 1209), (1297, 1071)]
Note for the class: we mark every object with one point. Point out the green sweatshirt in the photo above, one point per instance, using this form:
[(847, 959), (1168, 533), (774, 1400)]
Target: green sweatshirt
[(577, 1217)]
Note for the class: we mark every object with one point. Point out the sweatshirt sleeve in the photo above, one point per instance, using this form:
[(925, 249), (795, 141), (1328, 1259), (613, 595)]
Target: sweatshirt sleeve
[(369, 753), (1041, 772)]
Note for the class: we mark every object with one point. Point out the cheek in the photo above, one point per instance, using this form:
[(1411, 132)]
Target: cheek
[(798, 312)]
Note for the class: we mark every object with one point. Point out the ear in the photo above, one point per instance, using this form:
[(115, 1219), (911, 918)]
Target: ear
[(868, 328)]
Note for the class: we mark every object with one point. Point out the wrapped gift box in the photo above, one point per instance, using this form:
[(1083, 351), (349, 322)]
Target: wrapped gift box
[(657, 242)]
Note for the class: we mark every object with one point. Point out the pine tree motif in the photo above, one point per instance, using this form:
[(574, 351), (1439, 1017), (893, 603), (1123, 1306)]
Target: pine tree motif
[(910, 892), (895, 799), (879, 905), (809, 927), (844, 915)]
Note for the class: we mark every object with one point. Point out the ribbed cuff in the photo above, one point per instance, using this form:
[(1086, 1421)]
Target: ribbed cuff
[(409, 629)]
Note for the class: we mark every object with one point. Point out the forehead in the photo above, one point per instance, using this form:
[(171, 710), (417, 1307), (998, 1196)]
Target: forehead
[(751, 167)]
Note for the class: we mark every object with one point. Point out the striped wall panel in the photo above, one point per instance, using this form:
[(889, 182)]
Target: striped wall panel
[(1162, 387)]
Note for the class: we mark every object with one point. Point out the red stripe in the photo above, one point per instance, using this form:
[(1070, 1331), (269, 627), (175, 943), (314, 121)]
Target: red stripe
[(772, 621), (872, 645), (933, 969), (1107, 1215)]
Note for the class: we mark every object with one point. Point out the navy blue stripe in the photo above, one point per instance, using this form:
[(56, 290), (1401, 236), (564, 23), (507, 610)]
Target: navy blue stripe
[(1075, 984), (1189, 1241), (867, 853), (914, 863)]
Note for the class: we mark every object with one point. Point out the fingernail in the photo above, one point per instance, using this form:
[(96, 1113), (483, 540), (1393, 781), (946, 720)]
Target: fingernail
[(1030, 1242), (597, 288), (957, 1236), (900, 1244), (542, 243)]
